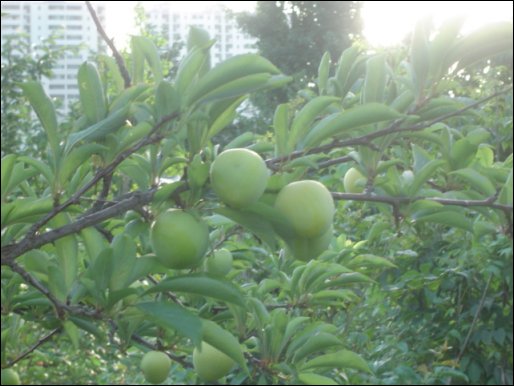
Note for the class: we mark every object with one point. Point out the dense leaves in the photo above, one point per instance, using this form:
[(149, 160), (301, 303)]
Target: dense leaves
[(413, 282)]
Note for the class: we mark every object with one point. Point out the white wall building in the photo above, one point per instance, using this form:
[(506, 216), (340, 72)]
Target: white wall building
[(70, 22), (230, 40)]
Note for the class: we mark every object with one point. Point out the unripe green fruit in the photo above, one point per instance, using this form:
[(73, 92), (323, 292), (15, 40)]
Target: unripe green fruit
[(308, 207), (354, 181), (179, 239), (239, 177), (211, 364), (156, 366), (221, 263), (10, 377), (306, 249), (408, 177)]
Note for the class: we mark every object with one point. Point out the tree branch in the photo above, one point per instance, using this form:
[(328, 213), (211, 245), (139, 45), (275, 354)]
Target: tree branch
[(110, 42), (38, 344), (152, 137), (176, 358), (395, 127), (488, 202), (11, 252)]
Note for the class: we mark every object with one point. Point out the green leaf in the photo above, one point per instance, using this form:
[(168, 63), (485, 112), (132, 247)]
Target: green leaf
[(281, 128), (223, 341), (419, 54), (7, 169), (315, 343), (165, 191), (315, 379), (101, 129), (303, 120), (323, 72), (45, 111), (27, 210), (505, 196), (448, 217), (41, 167), (368, 260), (375, 80), (123, 260), (144, 266), (190, 68), (347, 278), (476, 180), (225, 118), (349, 69), (144, 49), (340, 360), (67, 252), (174, 317), (92, 96), (236, 88), (421, 176), (73, 333), (102, 269), (128, 96), (202, 285), (339, 123), (229, 71), (254, 222), (94, 242), (76, 157), (482, 43), (167, 100)]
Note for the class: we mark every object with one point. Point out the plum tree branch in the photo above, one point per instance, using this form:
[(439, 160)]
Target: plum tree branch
[(110, 42), (11, 252), (151, 346), (152, 137), (488, 202), (35, 346), (395, 127)]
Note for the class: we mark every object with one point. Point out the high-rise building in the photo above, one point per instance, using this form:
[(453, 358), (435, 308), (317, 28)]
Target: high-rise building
[(220, 25), (70, 23)]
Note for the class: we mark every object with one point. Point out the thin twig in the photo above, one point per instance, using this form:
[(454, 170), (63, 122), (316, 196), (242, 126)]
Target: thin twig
[(38, 344), (110, 42), (475, 319), (28, 278), (152, 346)]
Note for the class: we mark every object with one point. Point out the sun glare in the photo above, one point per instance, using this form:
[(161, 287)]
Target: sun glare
[(387, 23)]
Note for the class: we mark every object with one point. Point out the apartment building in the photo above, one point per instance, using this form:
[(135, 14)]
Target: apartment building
[(72, 25), (230, 40)]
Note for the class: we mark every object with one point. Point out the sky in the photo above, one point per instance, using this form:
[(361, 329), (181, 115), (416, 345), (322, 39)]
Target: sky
[(385, 23)]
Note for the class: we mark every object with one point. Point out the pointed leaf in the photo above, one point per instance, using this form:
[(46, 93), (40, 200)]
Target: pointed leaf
[(315, 379), (340, 360), (202, 285), (173, 317), (45, 111), (223, 341)]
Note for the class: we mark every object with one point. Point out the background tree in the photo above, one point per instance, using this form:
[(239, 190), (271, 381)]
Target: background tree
[(21, 131), (294, 35)]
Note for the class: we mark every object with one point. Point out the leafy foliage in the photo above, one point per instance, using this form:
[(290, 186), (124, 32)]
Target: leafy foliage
[(414, 286)]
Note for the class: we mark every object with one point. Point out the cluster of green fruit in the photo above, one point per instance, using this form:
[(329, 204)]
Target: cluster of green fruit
[(239, 177), (209, 363)]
